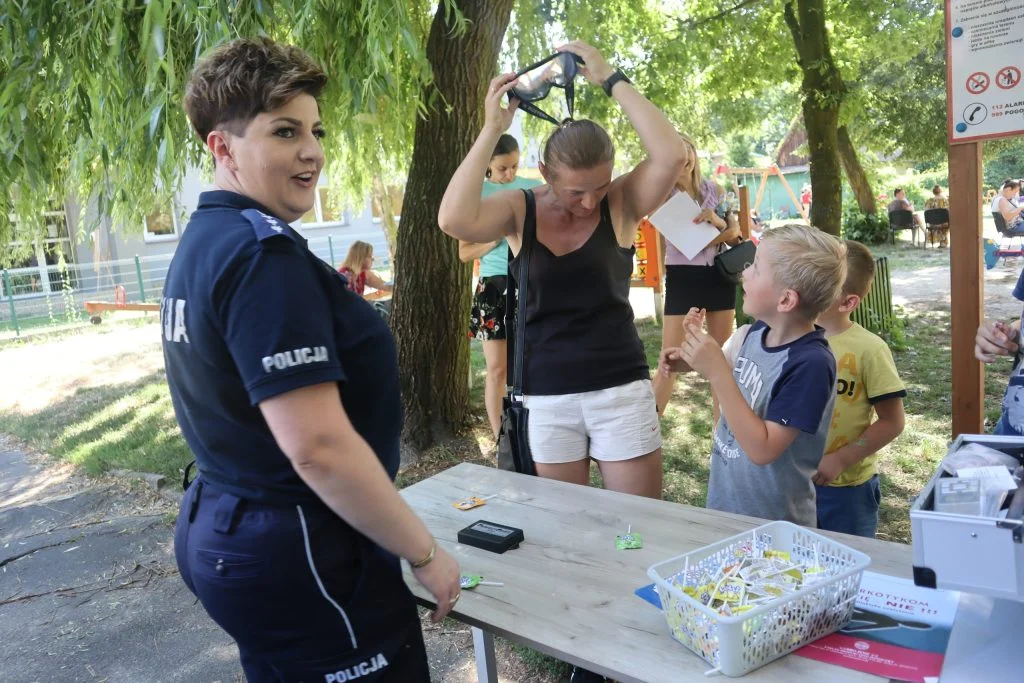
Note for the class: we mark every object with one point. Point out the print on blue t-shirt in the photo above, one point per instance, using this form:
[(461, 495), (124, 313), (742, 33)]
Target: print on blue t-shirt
[(792, 385)]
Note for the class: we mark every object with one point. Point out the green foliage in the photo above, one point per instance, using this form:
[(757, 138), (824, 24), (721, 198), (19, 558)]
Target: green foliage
[(90, 94), (1003, 159), (898, 105), (930, 178), (867, 228), (896, 335), (741, 147), (917, 186)]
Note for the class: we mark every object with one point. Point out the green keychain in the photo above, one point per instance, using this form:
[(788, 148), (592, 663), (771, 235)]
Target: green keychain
[(629, 540), (469, 581)]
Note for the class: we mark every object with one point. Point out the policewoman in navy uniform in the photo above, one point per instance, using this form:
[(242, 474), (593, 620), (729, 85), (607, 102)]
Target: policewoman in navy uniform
[(285, 384)]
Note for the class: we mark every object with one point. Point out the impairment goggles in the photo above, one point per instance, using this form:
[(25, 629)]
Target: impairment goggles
[(536, 81)]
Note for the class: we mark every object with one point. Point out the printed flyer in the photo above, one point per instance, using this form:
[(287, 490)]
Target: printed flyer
[(898, 631)]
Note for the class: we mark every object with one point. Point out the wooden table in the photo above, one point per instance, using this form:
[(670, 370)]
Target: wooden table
[(569, 593)]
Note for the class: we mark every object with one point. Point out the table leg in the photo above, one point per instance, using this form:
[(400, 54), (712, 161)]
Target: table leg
[(483, 646)]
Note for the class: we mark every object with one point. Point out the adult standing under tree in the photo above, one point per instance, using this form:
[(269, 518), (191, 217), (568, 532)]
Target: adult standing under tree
[(586, 379), (487, 318), (285, 385)]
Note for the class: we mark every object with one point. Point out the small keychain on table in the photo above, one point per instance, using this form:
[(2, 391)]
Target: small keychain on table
[(472, 502), (629, 540), (470, 581)]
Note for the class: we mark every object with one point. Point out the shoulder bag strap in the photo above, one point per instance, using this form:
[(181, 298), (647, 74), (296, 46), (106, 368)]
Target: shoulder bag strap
[(529, 233)]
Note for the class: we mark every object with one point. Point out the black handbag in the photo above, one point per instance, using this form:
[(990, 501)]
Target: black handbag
[(731, 263), (513, 438)]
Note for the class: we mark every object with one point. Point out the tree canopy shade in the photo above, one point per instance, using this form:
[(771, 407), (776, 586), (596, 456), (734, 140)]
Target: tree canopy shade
[(90, 107), (830, 57), (90, 92)]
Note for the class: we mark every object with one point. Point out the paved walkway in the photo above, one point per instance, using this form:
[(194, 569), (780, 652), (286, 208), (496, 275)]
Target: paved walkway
[(88, 587)]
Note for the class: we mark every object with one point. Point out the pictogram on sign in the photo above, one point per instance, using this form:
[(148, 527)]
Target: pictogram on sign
[(1008, 77), (977, 82)]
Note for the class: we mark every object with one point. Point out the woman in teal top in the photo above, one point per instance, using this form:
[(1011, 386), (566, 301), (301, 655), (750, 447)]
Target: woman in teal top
[(487, 319)]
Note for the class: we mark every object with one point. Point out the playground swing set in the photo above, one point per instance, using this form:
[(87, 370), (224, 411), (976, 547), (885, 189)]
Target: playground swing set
[(740, 176)]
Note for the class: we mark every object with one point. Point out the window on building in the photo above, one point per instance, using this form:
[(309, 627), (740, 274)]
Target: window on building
[(327, 209), (162, 225), (36, 271)]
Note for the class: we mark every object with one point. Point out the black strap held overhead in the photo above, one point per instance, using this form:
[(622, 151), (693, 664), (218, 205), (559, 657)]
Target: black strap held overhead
[(570, 97), (531, 108)]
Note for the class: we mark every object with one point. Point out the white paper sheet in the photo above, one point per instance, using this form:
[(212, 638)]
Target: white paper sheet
[(674, 220)]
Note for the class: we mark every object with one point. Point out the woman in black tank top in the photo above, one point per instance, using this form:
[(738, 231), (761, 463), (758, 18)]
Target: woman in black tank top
[(586, 379)]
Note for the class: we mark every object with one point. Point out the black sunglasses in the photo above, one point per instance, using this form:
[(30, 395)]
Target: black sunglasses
[(536, 81)]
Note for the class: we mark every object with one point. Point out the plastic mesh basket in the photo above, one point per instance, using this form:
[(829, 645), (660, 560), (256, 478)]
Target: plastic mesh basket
[(735, 645)]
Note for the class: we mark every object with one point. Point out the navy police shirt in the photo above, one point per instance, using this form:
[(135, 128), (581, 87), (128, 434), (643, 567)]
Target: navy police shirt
[(248, 313)]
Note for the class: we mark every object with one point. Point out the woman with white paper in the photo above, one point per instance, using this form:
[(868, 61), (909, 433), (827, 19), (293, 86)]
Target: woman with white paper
[(695, 282)]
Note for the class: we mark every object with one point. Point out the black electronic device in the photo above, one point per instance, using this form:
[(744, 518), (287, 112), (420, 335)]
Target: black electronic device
[(496, 538)]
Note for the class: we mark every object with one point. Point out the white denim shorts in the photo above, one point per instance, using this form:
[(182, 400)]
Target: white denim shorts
[(619, 423)]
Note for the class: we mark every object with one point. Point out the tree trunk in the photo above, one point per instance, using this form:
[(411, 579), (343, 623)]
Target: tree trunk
[(432, 297), (855, 173), (826, 178), (823, 90)]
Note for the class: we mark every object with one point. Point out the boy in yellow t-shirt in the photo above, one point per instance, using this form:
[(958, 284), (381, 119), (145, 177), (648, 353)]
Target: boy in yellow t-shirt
[(848, 494)]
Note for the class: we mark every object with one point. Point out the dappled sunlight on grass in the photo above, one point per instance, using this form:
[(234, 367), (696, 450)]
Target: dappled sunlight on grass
[(109, 426)]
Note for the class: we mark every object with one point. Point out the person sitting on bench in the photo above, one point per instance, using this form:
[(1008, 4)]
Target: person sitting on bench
[(1005, 205)]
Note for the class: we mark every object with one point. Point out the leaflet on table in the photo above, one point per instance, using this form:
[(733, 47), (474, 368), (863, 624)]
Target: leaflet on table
[(674, 220), (898, 631)]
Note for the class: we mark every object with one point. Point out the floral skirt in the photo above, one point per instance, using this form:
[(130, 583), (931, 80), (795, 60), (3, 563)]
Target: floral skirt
[(487, 319)]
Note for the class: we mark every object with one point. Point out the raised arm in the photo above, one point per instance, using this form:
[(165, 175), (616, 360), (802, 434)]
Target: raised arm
[(646, 186), (463, 214), (468, 251)]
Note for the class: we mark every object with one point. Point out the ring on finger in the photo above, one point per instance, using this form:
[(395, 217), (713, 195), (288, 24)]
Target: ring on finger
[(455, 599)]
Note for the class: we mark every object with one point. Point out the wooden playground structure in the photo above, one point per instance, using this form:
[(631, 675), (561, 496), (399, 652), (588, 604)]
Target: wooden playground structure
[(764, 173)]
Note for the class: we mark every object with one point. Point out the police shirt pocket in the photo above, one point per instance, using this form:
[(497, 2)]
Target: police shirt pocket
[(214, 564)]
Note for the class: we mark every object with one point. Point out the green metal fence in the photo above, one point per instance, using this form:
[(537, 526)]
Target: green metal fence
[(55, 295), (875, 310)]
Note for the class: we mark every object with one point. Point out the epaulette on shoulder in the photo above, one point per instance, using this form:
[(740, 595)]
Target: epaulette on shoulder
[(266, 226)]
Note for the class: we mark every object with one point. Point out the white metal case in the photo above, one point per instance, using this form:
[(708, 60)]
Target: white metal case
[(983, 555)]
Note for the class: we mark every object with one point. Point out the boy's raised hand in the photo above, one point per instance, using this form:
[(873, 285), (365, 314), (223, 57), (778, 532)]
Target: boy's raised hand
[(671, 360), (694, 316), (703, 353), (995, 339)]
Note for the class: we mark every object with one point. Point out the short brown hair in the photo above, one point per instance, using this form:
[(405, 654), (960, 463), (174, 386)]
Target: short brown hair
[(237, 81), (577, 145), (860, 269), (810, 262), (936, 190)]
